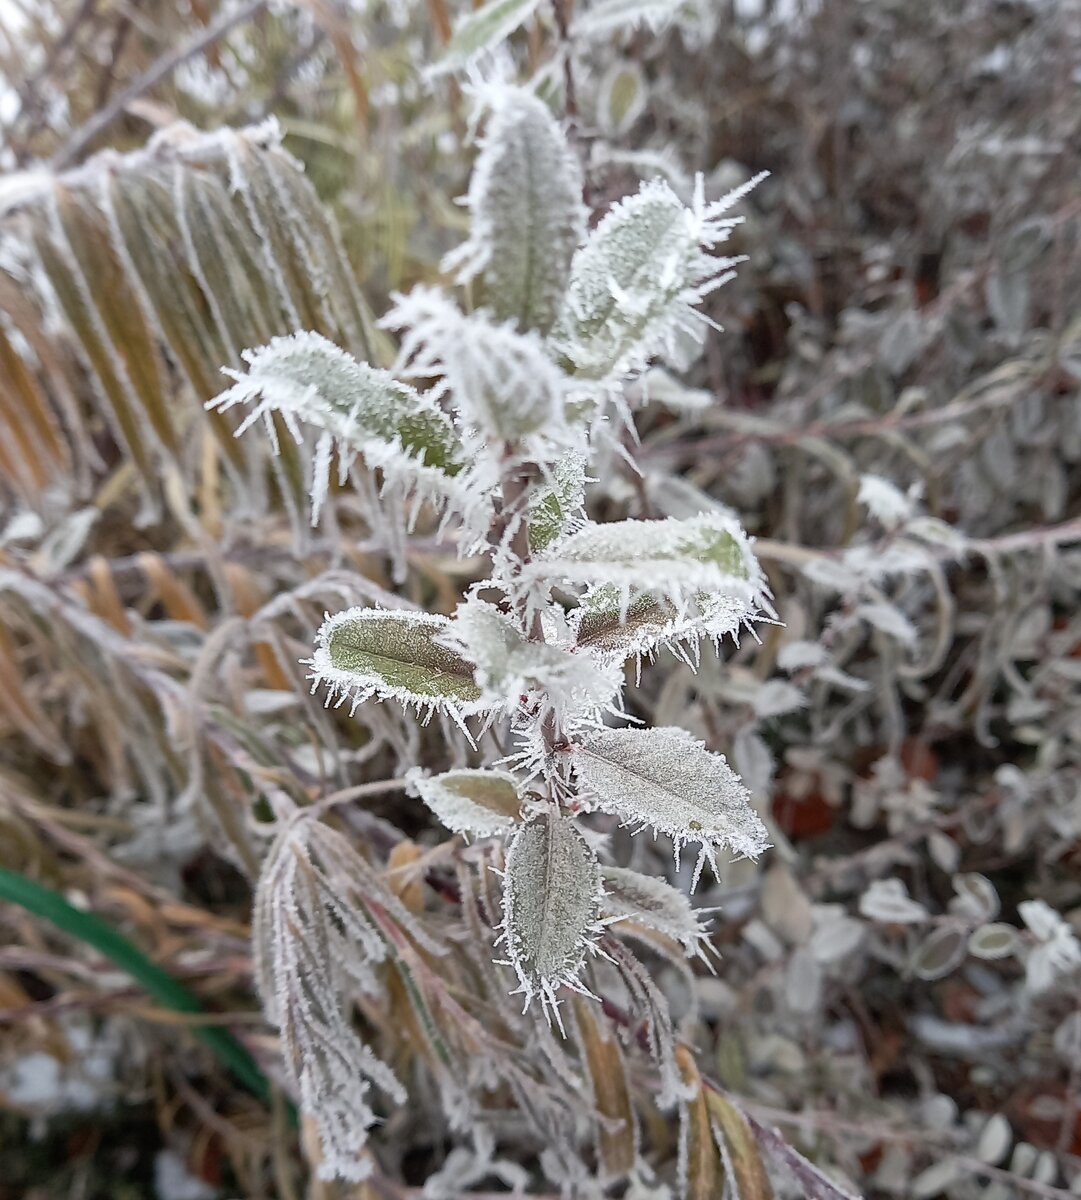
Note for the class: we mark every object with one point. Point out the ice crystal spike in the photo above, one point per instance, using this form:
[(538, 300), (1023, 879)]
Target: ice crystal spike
[(667, 779), (551, 896), (366, 652), (480, 803), (526, 212)]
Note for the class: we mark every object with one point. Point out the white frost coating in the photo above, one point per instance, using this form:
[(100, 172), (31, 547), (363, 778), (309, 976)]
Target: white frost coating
[(358, 409), (884, 501), (525, 206), (402, 661), (315, 945), (667, 779), (635, 283), (480, 803), (514, 672), (502, 381), (676, 559), (653, 902), (551, 897)]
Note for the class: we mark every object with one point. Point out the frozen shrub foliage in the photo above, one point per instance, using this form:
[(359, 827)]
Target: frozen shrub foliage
[(539, 585), (509, 386)]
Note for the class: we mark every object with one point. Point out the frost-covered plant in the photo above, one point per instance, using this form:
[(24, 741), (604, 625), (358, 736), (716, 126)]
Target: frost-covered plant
[(491, 417)]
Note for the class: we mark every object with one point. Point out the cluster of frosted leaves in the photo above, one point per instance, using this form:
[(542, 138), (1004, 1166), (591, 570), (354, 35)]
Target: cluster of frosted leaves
[(475, 802), (667, 780), (526, 212), (365, 653), (502, 382), (514, 671), (635, 283), (699, 567), (355, 410), (317, 941), (552, 894)]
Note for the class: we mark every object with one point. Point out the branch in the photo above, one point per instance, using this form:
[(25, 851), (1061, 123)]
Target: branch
[(161, 69)]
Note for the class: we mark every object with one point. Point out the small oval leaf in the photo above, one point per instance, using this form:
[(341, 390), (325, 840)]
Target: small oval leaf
[(997, 940), (551, 894), (667, 779), (366, 652), (940, 953), (651, 901), (471, 801)]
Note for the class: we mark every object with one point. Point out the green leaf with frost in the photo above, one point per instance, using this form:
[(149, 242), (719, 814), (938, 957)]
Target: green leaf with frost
[(559, 504), (551, 897), (358, 409), (667, 779), (526, 212), (374, 652), (655, 903), (476, 802), (702, 565), (635, 283), (601, 626), (482, 29)]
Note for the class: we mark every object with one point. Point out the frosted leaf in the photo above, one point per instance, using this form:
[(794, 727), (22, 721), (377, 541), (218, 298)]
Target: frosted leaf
[(888, 619), (1058, 952), (799, 655), (315, 943), (502, 381), (366, 652), (888, 901), (482, 29), (942, 951), (836, 935), (474, 802), (358, 409), (599, 624), (703, 565), (526, 212), (996, 940), (551, 897), (775, 698), (977, 898), (634, 284), (622, 98), (884, 501), (558, 506), (652, 902), (667, 779)]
